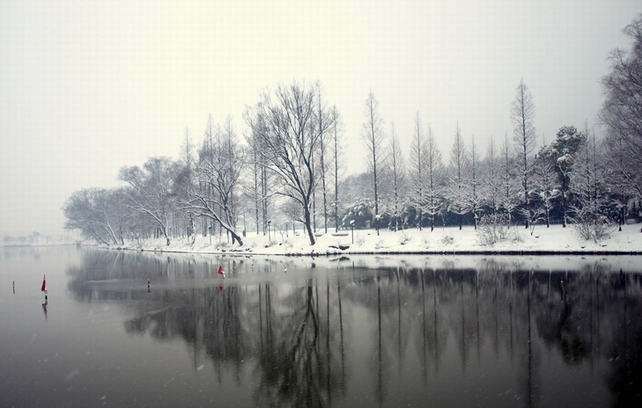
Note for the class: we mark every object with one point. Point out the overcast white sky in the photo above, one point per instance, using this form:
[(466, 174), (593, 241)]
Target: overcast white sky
[(87, 87)]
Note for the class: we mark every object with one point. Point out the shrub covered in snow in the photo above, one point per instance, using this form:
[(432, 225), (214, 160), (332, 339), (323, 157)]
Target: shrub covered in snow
[(447, 239), (361, 216), (494, 228), (591, 226)]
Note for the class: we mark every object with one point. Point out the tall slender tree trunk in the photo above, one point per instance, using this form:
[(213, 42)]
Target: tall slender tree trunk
[(256, 193), (308, 223), (336, 170), (264, 198)]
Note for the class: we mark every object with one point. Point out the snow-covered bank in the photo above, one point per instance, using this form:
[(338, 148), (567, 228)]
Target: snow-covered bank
[(555, 240)]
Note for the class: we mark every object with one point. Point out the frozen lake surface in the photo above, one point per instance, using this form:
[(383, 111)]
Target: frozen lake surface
[(342, 332)]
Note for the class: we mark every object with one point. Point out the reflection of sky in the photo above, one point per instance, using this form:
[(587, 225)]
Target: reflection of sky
[(194, 343), (79, 353)]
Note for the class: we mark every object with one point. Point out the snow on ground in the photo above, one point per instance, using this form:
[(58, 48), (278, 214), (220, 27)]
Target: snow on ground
[(553, 248), (555, 240)]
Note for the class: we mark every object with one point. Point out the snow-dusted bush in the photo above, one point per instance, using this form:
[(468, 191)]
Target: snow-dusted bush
[(591, 226), (360, 214), (286, 242), (403, 238), (271, 243), (447, 239), (495, 228), (223, 245)]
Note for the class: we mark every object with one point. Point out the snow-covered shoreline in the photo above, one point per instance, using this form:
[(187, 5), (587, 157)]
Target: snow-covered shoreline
[(555, 240)]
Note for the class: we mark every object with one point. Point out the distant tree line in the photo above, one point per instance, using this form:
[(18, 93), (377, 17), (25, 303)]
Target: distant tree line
[(9, 240), (287, 172)]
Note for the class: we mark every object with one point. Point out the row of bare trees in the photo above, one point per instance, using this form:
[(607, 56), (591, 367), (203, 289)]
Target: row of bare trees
[(292, 153), (577, 178), (289, 169), (512, 182)]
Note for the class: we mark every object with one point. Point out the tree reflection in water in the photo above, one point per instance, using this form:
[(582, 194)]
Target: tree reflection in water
[(293, 331), (298, 365)]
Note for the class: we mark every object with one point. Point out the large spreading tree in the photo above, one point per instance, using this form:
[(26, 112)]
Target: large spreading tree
[(622, 114), (287, 129), (152, 192)]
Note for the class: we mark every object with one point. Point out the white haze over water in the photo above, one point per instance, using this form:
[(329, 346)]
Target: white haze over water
[(89, 87)]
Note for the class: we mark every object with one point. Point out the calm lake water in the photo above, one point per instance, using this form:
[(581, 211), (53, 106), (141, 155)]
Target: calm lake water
[(406, 331)]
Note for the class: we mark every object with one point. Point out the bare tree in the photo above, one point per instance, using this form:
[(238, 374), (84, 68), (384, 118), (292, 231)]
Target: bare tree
[(593, 196), (417, 170), (543, 182), (337, 161), (99, 214), (221, 159), (208, 143), (262, 180), (474, 189), (287, 135), (81, 215), (434, 169), (522, 113), (321, 116), (152, 192), (459, 202), (373, 136), (184, 182), (509, 197), (490, 178), (589, 184), (397, 169), (621, 114)]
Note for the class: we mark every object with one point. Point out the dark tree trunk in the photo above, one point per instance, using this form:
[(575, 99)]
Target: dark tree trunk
[(308, 224)]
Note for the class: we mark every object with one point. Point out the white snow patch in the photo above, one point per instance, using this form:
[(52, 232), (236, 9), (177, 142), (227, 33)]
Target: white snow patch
[(555, 240)]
